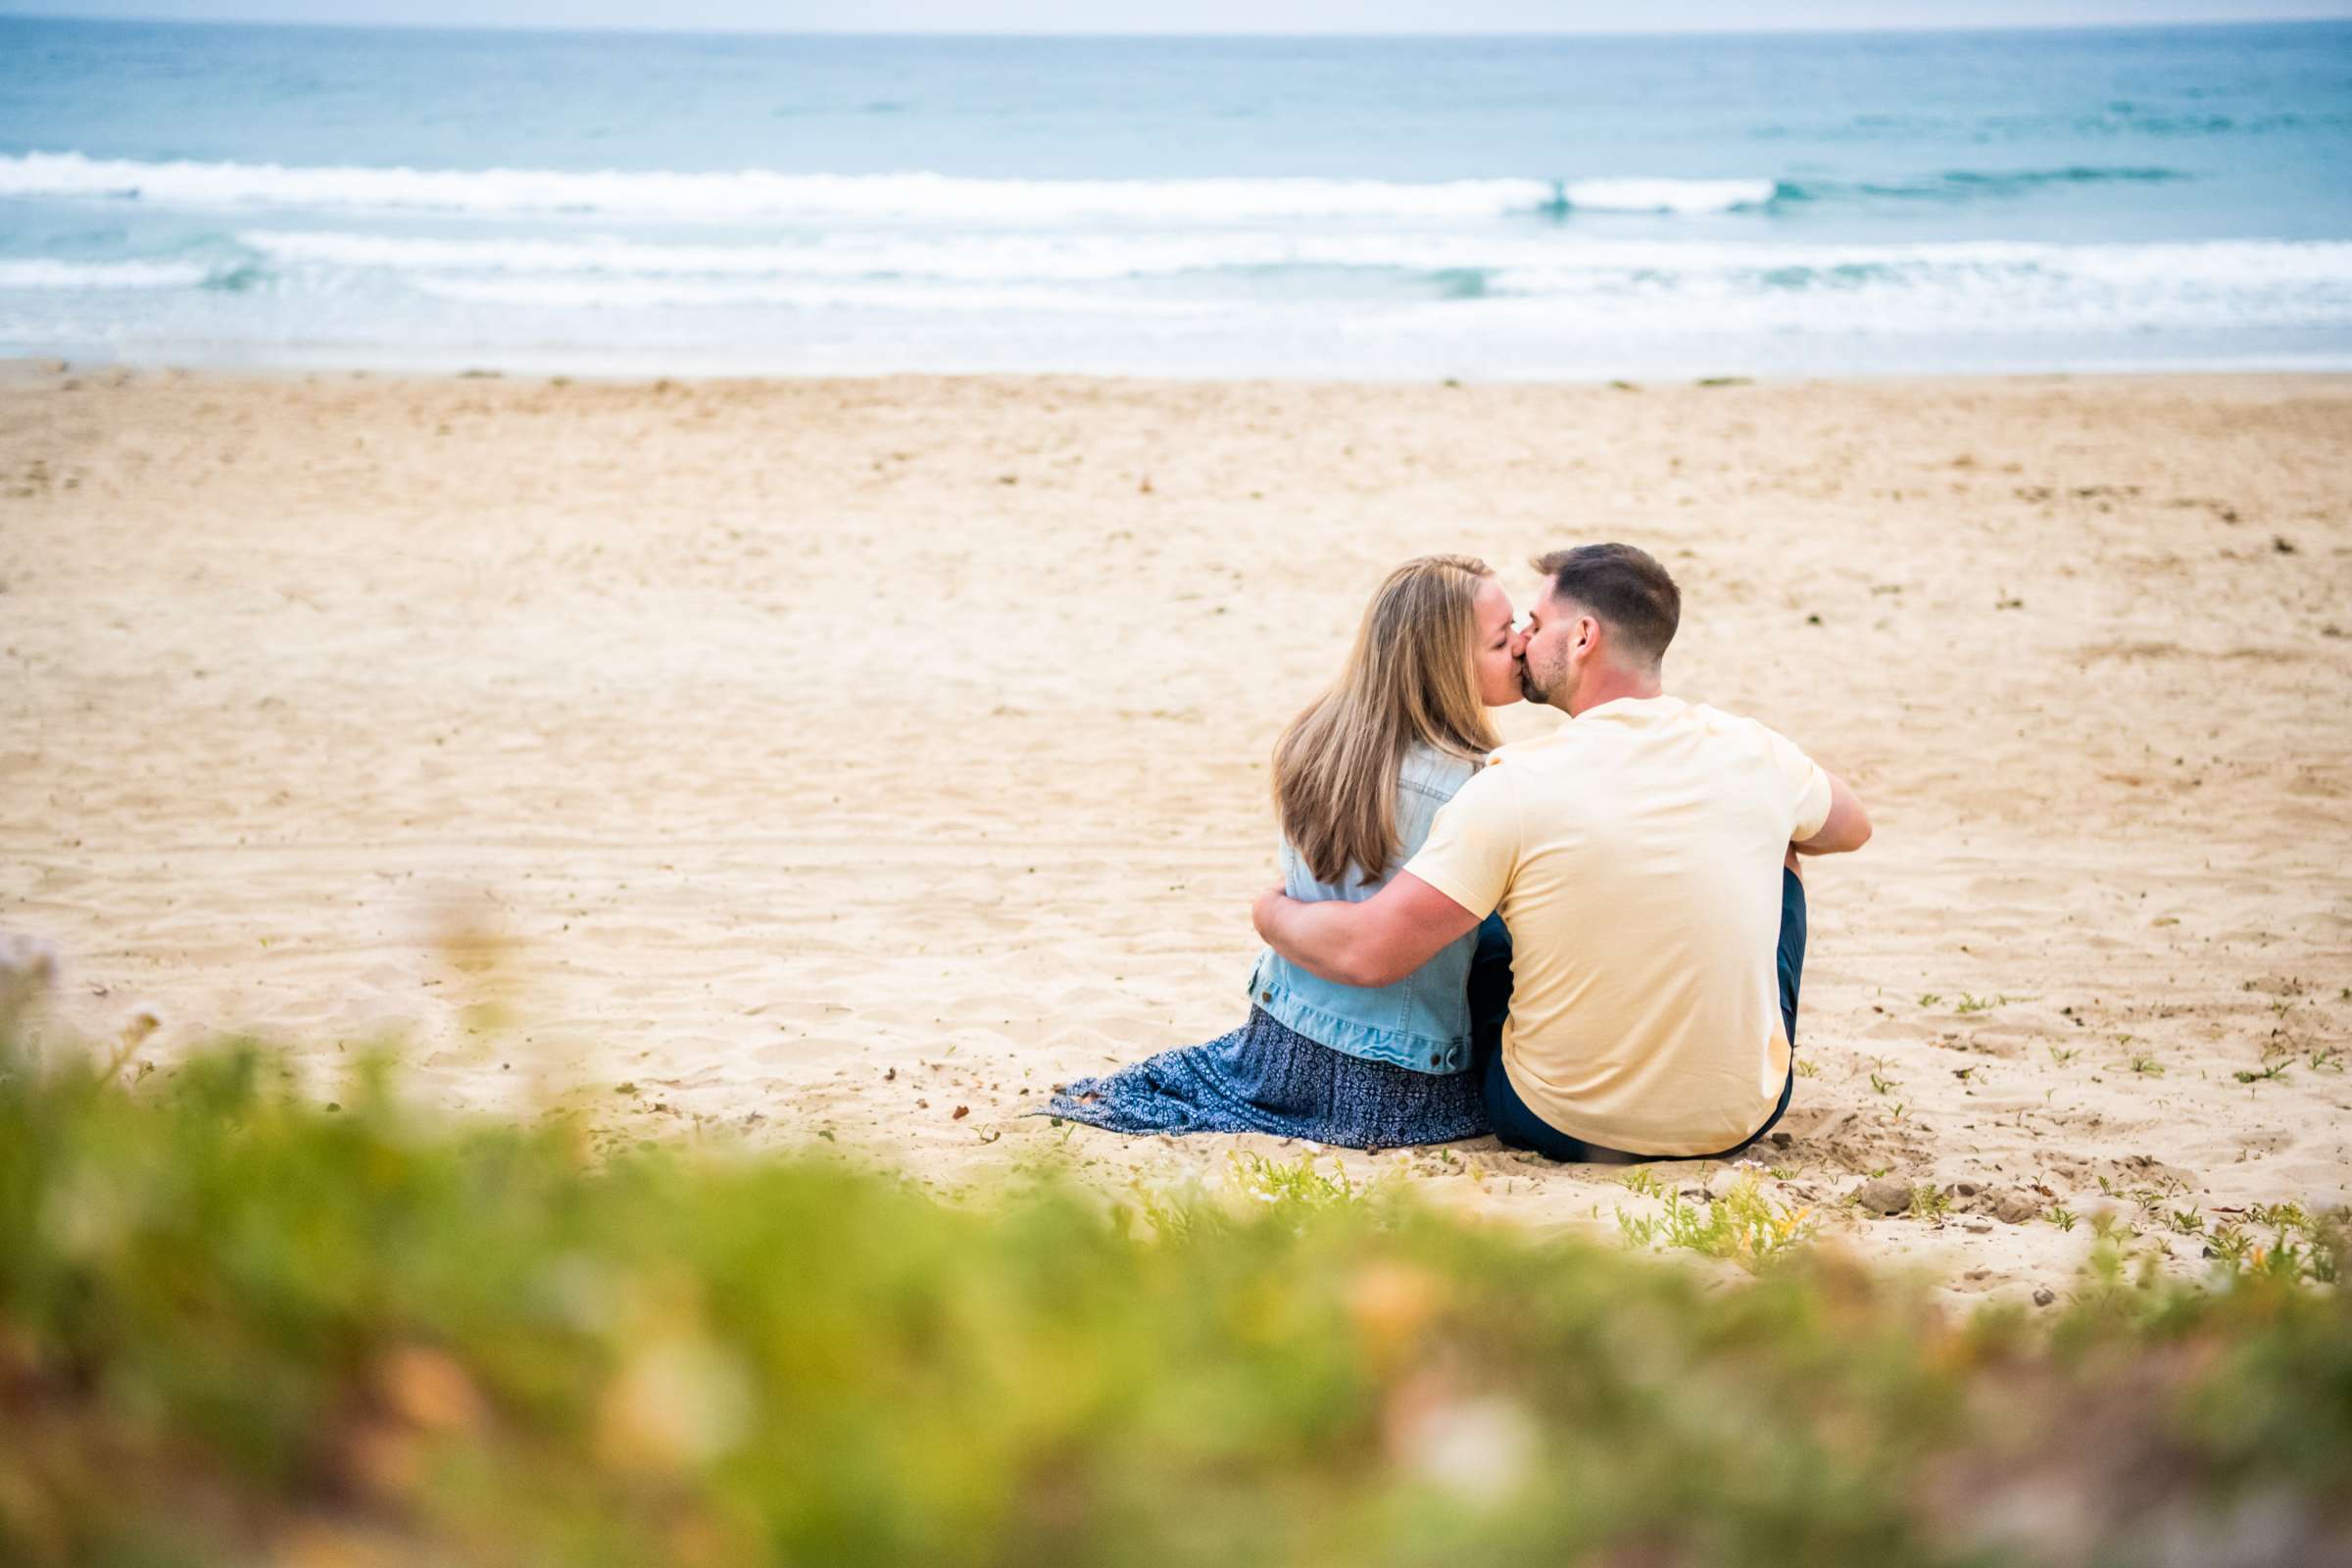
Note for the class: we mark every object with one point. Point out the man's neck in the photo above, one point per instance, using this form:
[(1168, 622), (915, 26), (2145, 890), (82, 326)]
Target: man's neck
[(1609, 685)]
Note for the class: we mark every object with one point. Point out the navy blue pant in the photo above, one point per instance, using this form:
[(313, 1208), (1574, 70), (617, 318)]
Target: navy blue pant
[(1518, 1126)]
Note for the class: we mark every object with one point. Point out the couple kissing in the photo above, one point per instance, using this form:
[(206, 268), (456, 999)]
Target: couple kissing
[(1588, 945)]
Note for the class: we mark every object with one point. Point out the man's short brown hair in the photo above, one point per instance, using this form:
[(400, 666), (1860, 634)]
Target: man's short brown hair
[(1625, 589)]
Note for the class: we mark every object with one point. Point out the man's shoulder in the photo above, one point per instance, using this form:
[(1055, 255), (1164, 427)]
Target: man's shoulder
[(1517, 773), (1739, 726), (1542, 754), (1488, 785), (1537, 746)]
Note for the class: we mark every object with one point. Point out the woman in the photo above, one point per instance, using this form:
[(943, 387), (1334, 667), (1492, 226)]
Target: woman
[(1358, 778)]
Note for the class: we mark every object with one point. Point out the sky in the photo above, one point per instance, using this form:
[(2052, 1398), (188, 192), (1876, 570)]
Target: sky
[(1199, 16)]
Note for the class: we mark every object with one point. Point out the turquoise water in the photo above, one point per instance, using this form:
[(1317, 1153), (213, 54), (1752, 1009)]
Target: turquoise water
[(1357, 208)]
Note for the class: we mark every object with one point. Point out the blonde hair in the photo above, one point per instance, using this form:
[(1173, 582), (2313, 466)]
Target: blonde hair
[(1409, 681)]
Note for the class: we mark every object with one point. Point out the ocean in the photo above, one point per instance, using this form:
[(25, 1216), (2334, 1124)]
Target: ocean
[(1558, 207)]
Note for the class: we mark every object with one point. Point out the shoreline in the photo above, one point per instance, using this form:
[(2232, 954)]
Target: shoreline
[(20, 369), (705, 373)]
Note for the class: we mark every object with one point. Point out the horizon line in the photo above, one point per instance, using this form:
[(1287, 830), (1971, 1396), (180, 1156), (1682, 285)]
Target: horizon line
[(690, 30)]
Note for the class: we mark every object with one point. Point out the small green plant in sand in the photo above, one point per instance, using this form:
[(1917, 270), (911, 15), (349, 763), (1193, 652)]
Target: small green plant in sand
[(2302, 1245), (2060, 1055), (1743, 1224), (2296, 1260), (2149, 1196), (1285, 1190), (2228, 1244), (2299, 1246), (1929, 1201), (1642, 1181), (2061, 1216), (1296, 1184), (2147, 1066), (2300, 1252), (2307, 1250)]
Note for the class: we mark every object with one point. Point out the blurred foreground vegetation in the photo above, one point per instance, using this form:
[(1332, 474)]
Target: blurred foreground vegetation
[(237, 1325)]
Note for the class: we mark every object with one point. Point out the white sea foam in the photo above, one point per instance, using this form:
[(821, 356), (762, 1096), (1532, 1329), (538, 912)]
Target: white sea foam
[(761, 193), (1667, 195), (77, 276), (642, 293), (1965, 291), (2020, 291), (1657, 286), (1535, 262), (2187, 268), (1398, 287), (1077, 256), (756, 193)]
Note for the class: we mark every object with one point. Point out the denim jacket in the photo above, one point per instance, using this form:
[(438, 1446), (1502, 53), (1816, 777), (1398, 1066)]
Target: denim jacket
[(1423, 1020)]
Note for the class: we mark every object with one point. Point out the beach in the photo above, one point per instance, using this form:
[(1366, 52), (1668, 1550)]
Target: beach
[(855, 759)]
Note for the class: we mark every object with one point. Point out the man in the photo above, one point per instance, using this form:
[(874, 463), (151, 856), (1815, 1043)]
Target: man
[(1642, 857)]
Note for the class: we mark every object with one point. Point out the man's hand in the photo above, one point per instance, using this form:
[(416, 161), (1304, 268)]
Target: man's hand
[(1374, 942), (1263, 911), (1846, 827)]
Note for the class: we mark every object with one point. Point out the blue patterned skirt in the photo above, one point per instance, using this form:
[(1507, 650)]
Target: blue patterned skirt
[(1266, 1077)]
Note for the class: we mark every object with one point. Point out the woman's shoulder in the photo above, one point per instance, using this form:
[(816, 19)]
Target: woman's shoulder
[(1426, 770)]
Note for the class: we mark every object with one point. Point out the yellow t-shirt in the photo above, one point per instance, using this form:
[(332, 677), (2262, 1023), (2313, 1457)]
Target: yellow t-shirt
[(1636, 856)]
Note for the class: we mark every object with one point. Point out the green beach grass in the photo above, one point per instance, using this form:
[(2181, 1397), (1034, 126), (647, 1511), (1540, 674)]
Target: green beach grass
[(240, 1326)]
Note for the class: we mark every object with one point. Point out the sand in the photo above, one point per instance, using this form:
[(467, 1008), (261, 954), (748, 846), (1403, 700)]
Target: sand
[(761, 761)]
